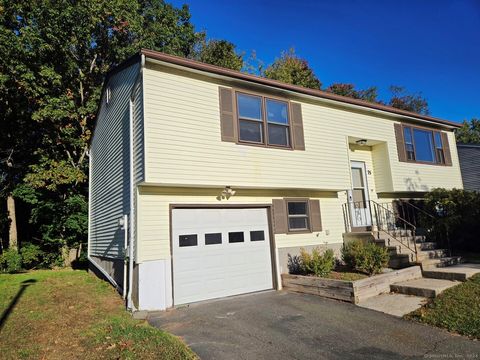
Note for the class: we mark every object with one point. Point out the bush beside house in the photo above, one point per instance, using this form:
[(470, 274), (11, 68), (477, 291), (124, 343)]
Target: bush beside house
[(456, 222), (366, 258)]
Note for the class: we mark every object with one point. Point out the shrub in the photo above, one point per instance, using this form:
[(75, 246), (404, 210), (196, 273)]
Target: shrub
[(350, 252), (31, 255), (456, 218), (368, 258), (10, 261), (317, 263)]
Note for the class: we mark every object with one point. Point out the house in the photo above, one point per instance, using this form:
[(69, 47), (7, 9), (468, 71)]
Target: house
[(469, 156), (204, 180)]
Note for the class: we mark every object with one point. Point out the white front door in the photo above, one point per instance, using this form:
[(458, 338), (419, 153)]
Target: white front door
[(219, 252), (358, 196)]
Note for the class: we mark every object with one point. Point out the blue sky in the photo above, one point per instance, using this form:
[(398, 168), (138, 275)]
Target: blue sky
[(428, 46)]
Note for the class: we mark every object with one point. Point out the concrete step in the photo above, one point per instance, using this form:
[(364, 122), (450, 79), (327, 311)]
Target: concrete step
[(460, 272), (420, 239), (399, 261), (442, 262), (425, 287), (393, 303), (427, 245), (432, 254)]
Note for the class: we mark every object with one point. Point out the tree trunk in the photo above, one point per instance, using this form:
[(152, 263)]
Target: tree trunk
[(12, 232)]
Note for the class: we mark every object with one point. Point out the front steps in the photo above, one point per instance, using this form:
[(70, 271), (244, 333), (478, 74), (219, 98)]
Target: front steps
[(460, 272), (407, 296), (423, 287), (428, 254)]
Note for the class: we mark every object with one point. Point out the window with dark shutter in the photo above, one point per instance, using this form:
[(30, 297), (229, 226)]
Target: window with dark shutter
[(400, 142), (279, 216), (297, 127), (255, 119), (227, 118), (422, 145), (296, 216), (446, 149)]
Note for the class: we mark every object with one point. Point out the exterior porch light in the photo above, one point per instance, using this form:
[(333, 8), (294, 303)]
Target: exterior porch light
[(361, 142), (227, 192)]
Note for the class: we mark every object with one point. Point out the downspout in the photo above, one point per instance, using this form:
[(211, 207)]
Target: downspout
[(131, 234), (125, 250), (131, 224)]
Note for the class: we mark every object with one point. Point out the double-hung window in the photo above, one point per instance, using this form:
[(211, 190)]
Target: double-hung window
[(439, 149), (262, 120), (298, 217), (277, 122), (423, 145), (407, 133), (250, 118)]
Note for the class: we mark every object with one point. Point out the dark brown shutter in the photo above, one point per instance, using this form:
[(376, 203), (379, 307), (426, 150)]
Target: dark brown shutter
[(297, 127), (227, 118), (446, 149), (402, 155), (315, 216), (280, 225)]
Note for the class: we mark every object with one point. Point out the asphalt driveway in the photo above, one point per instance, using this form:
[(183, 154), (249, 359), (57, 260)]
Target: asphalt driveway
[(281, 325)]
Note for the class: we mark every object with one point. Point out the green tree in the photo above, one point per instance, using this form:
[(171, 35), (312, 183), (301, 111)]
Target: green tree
[(401, 99), (370, 94), (291, 69), (469, 133), (55, 55), (221, 53)]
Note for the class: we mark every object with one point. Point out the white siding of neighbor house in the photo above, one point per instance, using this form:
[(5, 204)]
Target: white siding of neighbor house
[(154, 211), (184, 147), (110, 167)]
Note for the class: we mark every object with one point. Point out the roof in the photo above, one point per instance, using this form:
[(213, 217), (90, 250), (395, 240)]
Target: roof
[(468, 145), (197, 65), (213, 69)]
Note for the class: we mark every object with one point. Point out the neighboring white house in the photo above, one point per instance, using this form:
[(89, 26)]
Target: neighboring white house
[(214, 176)]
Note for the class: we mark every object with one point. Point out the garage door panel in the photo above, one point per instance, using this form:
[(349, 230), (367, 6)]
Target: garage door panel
[(209, 271)]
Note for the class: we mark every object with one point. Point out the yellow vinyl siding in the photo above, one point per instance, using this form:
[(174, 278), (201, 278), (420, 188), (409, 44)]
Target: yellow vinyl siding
[(421, 177), (153, 227), (183, 144)]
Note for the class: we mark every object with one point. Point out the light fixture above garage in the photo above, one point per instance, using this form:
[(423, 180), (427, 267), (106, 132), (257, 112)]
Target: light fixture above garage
[(227, 192), (361, 142)]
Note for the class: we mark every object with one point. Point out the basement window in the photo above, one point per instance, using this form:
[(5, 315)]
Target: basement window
[(298, 216)]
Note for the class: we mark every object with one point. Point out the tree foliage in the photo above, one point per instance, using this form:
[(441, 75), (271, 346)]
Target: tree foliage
[(221, 53), (403, 100), (370, 94), (291, 69), (469, 133), (55, 55)]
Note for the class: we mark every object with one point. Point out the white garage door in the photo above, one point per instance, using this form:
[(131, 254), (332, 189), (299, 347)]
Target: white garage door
[(219, 252)]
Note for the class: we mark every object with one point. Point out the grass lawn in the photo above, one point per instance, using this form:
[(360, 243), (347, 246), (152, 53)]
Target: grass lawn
[(456, 309), (69, 314)]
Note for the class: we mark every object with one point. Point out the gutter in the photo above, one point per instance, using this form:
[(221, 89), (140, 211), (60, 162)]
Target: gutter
[(227, 74)]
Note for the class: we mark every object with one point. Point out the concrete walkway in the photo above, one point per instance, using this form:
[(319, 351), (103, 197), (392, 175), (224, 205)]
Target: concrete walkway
[(281, 325), (394, 304), (407, 296)]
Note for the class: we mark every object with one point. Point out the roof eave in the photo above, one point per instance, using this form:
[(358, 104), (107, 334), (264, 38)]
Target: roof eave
[(227, 73)]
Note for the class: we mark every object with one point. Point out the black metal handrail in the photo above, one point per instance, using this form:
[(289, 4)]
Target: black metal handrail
[(396, 227), (386, 220), (433, 230)]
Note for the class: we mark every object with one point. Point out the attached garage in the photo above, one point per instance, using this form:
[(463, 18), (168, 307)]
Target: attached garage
[(220, 252)]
